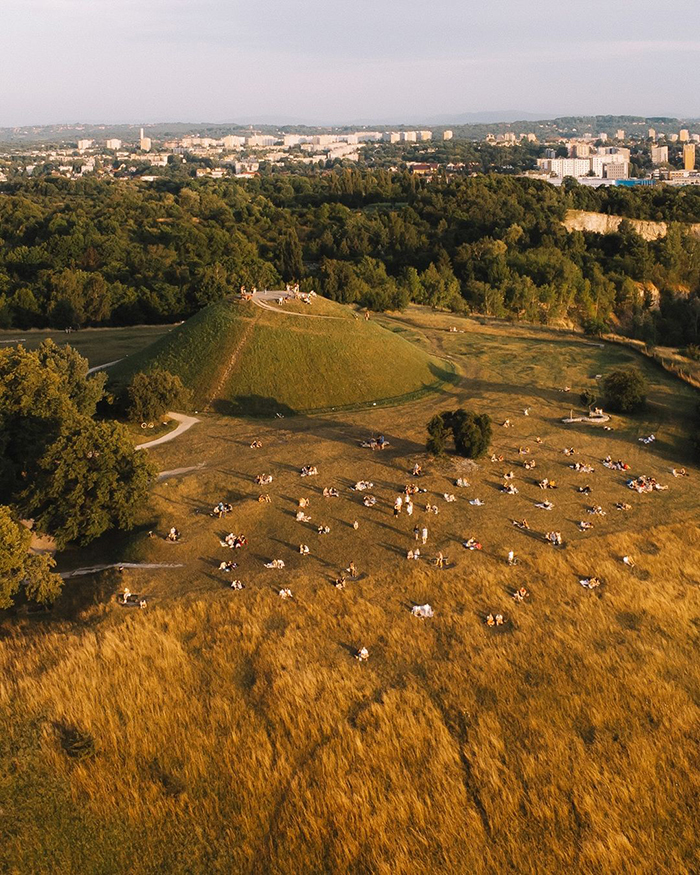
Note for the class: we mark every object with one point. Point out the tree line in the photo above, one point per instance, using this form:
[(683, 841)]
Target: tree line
[(104, 252)]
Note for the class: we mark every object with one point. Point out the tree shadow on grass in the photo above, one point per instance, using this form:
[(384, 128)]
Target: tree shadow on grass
[(257, 406)]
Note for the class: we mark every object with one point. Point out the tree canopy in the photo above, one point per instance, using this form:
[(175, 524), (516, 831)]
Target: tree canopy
[(471, 432), (97, 252), (75, 476), (625, 390)]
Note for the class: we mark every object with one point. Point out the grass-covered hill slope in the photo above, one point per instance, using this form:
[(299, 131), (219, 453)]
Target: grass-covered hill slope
[(247, 359)]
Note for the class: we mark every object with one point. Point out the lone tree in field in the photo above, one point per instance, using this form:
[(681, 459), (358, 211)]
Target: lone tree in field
[(625, 390), (471, 432)]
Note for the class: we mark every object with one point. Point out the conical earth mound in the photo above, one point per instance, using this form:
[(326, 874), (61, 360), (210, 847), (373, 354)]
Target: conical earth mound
[(257, 358)]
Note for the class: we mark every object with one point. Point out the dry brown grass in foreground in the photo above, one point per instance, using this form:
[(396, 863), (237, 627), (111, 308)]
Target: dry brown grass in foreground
[(221, 731), (243, 736)]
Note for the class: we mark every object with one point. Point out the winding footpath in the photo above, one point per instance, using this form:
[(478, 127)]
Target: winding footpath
[(186, 423), (262, 299)]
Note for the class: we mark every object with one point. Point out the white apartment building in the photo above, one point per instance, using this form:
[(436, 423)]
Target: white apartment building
[(603, 166), (260, 140), (565, 166), (659, 154), (113, 144), (408, 136), (424, 135), (391, 137), (231, 142), (84, 144), (447, 135)]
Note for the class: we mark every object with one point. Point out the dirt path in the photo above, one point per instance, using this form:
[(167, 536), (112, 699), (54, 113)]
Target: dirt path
[(186, 422), (261, 299), (232, 361), (177, 472), (79, 572), (102, 367)]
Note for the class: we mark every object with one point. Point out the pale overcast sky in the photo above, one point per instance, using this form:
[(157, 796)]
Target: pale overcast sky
[(330, 61)]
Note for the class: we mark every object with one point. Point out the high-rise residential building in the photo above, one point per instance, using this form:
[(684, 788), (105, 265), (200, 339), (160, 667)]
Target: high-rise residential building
[(391, 137), (651, 134), (659, 154), (689, 156), (84, 144), (447, 135), (684, 135), (424, 135), (408, 136), (619, 134), (580, 150), (231, 142), (616, 170), (144, 142), (673, 138), (113, 144), (603, 138)]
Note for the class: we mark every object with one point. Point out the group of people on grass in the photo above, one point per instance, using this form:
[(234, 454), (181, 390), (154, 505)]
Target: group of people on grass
[(403, 502)]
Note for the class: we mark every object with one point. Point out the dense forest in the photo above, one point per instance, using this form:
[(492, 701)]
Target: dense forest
[(96, 252)]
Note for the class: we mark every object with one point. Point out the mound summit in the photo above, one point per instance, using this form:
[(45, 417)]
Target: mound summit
[(249, 358)]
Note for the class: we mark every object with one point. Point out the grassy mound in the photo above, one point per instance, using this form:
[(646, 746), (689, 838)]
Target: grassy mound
[(245, 359)]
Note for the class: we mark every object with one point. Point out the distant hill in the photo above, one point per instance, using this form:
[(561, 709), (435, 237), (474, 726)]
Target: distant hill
[(239, 358)]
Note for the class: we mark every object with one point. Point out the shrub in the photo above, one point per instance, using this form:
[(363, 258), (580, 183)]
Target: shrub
[(150, 395), (625, 390), (595, 327), (588, 399), (470, 431)]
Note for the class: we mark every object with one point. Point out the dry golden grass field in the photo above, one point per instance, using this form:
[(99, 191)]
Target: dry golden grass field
[(233, 732)]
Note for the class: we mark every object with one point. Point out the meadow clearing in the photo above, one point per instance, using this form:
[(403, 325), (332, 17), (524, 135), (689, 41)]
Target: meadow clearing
[(223, 731)]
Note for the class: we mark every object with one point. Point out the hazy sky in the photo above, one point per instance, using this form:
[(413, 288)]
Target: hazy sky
[(343, 60)]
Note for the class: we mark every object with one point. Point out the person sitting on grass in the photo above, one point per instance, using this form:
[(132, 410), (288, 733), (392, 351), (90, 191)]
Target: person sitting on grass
[(265, 498), (256, 445), (352, 570), (471, 544), (301, 517), (304, 549), (413, 554), (362, 654), (340, 582), (324, 530), (285, 593), (173, 535), (227, 567), (237, 584)]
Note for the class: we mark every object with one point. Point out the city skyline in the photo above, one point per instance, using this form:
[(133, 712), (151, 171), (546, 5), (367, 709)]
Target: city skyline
[(128, 62)]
